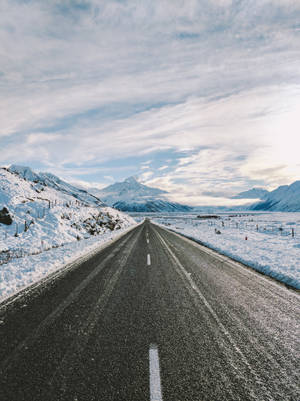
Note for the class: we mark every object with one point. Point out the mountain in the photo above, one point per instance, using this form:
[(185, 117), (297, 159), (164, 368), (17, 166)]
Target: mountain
[(132, 196), (38, 211), (130, 190), (41, 180), (285, 198), (157, 205), (254, 193)]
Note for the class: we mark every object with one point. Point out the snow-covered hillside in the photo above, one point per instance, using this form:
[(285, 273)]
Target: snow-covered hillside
[(132, 196), (49, 180), (285, 198), (254, 193), (39, 212)]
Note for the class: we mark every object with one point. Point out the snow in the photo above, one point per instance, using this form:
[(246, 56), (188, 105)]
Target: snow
[(52, 222), (156, 205), (269, 248), (41, 180), (131, 195), (20, 273), (285, 198), (130, 190), (254, 193)]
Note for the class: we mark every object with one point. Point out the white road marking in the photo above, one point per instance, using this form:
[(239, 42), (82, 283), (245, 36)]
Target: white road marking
[(148, 260), (154, 370), (147, 240)]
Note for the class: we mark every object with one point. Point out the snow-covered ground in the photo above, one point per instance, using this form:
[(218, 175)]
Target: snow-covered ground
[(45, 223), (268, 242), (20, 273), (44, 217)]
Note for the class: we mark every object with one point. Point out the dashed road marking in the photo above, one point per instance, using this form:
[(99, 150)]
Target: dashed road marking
[(154, 371), (148, 260)]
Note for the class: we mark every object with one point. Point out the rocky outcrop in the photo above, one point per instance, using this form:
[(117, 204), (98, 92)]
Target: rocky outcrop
[(5, 217)]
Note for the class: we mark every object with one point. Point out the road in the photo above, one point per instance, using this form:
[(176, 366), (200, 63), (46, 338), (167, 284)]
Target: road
[(153, 316)]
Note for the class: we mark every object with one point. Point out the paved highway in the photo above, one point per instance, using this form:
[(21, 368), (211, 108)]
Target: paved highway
[(153, 316)]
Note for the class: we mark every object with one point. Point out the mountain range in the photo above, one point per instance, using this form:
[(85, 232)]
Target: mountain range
[(133, 196), (254, 193), (285, 198)]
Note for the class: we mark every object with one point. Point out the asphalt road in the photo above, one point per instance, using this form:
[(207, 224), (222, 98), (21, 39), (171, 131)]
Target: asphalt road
[(155, 317)]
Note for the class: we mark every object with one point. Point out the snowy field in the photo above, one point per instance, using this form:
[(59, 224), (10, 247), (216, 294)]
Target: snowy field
[(268, 242)]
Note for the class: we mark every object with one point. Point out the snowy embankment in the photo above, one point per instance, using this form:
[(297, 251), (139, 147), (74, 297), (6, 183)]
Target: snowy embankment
[(20, 273), (46, 223), (269, 243)]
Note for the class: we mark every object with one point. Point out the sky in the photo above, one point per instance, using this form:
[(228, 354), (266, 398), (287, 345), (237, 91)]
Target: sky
[(197, 97)]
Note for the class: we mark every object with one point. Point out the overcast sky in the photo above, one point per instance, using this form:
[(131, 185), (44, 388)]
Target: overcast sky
[(197, 97)]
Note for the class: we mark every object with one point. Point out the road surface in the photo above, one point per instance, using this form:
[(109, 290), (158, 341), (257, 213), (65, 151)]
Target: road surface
[(153, 316)]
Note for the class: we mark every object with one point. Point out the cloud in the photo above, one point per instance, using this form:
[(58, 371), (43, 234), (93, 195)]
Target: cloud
[(42, 138), (145, 176), (88, 185)]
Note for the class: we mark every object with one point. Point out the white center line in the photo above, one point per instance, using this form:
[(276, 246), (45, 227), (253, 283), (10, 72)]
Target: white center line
[(155, 385), (148, 260)]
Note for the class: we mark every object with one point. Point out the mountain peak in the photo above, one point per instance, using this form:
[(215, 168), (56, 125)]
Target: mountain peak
[(131, 180), (24, 172), (131, 195), (129, 190)]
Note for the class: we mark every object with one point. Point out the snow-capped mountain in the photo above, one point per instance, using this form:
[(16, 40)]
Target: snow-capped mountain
[(41, 180), (131, 195), (39, 212), (254, 193), (285, 198), (130, 190)]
